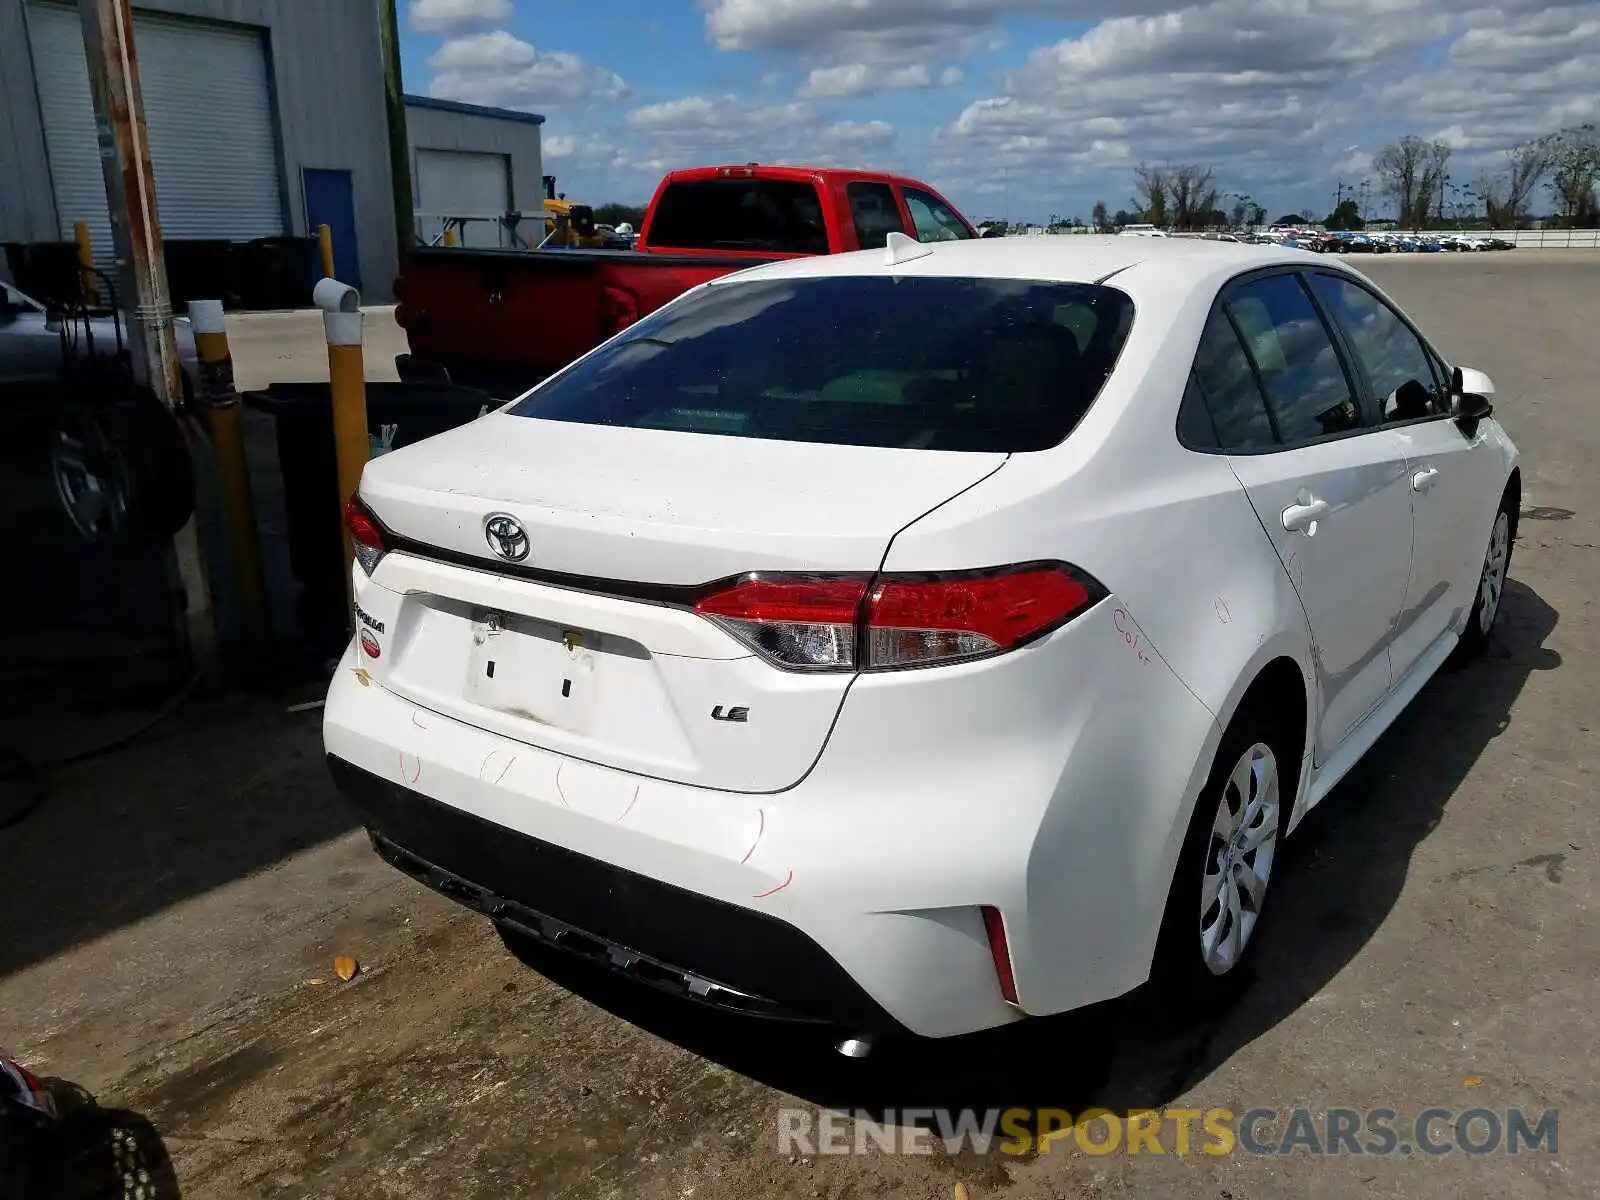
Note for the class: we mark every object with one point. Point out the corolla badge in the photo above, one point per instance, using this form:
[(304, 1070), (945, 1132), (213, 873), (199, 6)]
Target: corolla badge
[(506, 536)]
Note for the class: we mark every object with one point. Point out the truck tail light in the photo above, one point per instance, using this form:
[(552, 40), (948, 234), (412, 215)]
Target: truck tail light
[(890, 622), (620, 308), (366, 535)]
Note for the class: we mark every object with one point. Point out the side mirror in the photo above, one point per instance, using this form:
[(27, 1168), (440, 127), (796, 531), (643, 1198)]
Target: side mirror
[(1465, 381), (1470, 393)]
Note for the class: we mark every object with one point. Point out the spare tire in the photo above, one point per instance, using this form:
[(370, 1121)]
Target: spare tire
[(122, 470)]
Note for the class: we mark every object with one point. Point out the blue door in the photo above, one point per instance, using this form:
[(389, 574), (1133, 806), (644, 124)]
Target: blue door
[(330, 201)]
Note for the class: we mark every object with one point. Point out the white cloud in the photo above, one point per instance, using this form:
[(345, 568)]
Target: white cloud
[(696, 130), (500, 69), (1284, 98), (449, 16), (881, 33), (860, 79), (795, 25)]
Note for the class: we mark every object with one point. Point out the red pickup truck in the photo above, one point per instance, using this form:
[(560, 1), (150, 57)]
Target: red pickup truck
[(501, 320)]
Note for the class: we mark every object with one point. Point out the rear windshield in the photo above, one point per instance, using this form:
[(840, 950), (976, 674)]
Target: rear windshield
[(932, 363), (774, 215)]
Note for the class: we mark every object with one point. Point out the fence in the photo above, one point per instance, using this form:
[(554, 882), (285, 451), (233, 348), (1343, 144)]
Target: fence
[(1548, 239), (1533, 239)]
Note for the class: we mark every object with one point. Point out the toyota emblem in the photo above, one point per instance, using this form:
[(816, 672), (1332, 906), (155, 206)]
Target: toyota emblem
[(506, 536)]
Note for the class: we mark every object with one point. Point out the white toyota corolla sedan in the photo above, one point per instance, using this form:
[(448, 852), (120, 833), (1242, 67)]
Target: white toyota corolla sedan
[(922, 638)]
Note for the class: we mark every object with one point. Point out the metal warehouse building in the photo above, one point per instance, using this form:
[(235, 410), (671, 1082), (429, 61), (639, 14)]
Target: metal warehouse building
[(266, 119)]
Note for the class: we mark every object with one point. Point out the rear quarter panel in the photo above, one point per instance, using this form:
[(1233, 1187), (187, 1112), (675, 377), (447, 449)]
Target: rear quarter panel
[(1173, 536)]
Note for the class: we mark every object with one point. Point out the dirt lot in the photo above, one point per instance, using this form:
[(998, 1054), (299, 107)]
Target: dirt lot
[(168, 924)]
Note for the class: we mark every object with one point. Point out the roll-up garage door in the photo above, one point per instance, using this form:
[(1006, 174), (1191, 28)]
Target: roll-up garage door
[(462, 183), (209, 113)]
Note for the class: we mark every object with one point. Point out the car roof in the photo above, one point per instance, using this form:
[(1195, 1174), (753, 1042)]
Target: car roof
[(1175, 264)]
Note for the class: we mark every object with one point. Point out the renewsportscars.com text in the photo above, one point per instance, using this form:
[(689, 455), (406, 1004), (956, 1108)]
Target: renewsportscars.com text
[(1380, 1132)]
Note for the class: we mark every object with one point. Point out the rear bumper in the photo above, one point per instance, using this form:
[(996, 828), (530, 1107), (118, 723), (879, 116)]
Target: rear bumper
[(1004, 783), (658, 934)]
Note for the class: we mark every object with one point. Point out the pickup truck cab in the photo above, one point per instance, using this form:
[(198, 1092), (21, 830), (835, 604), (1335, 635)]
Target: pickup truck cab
[(501, 320)]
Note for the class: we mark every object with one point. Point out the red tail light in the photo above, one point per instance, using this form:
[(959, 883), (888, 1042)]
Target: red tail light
[(995, 927), (799, 621), (843, 623), (366, 536)]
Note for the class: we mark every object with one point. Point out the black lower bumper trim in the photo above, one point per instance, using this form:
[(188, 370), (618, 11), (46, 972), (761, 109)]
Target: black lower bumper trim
[(658, 934)]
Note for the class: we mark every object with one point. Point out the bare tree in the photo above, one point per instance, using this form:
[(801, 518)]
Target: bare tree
[(1193, 194), (1151, 187), (1411, 173), (1431, 183), (1506, 199), (1575, 168), (1102, 216)]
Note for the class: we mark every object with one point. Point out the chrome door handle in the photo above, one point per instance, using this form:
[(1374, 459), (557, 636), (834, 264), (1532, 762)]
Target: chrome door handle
[(1298, 517), (1424, 479)]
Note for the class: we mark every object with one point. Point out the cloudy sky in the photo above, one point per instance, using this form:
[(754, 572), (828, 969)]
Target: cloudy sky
[(1021, 108)]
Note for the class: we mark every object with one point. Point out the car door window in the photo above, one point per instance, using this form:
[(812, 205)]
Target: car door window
[(875, 213), (1225, 383), (935, 220), (1405, 385), (1308, 394)]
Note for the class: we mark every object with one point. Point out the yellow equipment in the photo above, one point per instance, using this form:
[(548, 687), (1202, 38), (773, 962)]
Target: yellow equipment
[(566, 223)]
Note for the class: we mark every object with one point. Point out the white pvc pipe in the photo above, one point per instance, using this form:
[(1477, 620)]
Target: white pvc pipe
[(205, 316)]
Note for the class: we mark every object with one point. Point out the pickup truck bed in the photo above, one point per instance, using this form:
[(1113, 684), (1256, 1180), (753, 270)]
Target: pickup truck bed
[(502, 320)]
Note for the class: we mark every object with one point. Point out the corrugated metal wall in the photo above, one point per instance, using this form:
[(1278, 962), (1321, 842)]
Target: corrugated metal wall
[(438, 129), (326, 72), (27, 205)]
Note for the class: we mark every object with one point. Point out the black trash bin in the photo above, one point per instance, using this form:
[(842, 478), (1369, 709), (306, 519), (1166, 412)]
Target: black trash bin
[(47, 271), (200, 269), (398, 414)]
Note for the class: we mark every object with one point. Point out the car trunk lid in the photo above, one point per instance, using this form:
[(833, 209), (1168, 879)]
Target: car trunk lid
[(587, 644)]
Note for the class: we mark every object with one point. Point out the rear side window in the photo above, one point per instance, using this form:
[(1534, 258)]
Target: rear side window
[(1405, 386), (875, 213), (1307, 392), (935, 220), (931, 363), (778, 216), (1227, 386)]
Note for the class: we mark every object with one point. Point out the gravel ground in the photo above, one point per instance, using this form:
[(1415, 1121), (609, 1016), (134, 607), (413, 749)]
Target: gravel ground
[(168, 925)]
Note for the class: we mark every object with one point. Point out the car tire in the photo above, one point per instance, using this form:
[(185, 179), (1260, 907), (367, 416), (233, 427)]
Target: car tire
[(1491, 582), (1226, 863)]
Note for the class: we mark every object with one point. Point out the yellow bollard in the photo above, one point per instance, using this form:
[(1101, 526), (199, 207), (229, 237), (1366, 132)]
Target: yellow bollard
[(91, 284), (449, 235), (341, 321), (220, 400), (325, 239)]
